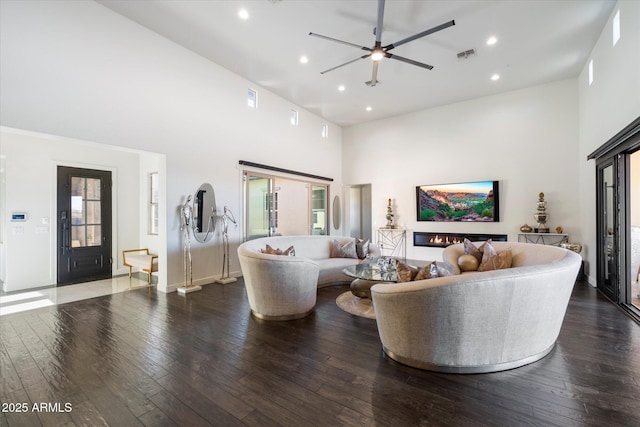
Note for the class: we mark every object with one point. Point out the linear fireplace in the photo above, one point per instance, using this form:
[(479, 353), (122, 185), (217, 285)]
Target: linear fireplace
[(442, 240)]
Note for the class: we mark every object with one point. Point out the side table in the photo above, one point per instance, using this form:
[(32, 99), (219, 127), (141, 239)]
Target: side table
[(392, 242)]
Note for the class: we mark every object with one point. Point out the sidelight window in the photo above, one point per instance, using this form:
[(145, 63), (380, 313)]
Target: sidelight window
[(153, 203)]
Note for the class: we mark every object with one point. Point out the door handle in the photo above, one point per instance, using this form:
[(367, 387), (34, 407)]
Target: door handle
[(65, 232)]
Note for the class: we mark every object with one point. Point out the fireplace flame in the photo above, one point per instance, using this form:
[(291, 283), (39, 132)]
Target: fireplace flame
[(438, 240)]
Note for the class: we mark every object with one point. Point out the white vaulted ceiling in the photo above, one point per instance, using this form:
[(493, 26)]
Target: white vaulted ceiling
[(538, 41)]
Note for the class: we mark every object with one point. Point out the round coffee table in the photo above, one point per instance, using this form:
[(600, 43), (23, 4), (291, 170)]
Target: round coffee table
[(366, 276)]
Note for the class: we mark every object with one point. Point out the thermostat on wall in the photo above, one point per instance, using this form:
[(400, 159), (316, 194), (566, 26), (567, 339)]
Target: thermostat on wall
[(18, 216)]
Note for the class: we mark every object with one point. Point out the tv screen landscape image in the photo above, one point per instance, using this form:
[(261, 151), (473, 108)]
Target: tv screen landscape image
[(462, 202)]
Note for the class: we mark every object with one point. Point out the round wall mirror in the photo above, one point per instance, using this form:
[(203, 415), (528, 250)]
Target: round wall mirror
[(337, 213), (204, 213)]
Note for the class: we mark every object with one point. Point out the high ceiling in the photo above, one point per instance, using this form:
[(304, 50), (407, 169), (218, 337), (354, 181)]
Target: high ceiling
[(538, 41)]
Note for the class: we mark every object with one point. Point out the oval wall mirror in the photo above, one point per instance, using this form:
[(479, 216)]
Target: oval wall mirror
[(204, 213), (337, 214)]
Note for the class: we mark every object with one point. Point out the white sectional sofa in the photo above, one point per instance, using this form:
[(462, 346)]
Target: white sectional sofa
[(281, 287), (479, 321)]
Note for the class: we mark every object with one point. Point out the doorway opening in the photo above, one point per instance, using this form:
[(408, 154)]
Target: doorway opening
[(360, 212)]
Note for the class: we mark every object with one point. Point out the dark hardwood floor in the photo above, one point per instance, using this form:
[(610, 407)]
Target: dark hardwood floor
[(146, 358)]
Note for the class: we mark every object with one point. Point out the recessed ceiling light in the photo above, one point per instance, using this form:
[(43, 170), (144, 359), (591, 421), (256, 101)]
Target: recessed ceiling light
[(304, 59), (243, 14), (492, 40), (341, 88), (369, 108), (495, 77)]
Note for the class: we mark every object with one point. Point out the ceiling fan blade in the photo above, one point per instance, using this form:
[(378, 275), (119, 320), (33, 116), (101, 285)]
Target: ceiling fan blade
[(409, 61), (346, 63), (339, 41), (374, 76), (422, 34), (379, 23)]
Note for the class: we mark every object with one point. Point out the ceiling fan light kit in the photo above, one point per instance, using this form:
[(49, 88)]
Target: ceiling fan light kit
[(377, 52)]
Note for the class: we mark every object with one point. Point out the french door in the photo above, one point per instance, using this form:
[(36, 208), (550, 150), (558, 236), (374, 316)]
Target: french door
[(276, 205), (618, 218), (83, 225)]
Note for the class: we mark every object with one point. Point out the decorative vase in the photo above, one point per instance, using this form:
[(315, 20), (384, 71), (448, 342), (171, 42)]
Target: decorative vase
[(541, 216), (389, 215), (526, 228)]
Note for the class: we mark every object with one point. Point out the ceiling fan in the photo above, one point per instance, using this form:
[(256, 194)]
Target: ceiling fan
[(377, 52)]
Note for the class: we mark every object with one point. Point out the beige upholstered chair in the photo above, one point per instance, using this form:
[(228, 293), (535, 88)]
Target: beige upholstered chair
[(279, 287)]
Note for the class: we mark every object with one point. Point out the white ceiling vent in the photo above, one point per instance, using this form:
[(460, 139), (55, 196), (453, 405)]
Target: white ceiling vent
[(466, 54)]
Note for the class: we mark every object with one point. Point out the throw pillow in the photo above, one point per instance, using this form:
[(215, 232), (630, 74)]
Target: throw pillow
[(476, 251), (468, 263), (343, 250), (362, 248), (290, 251), (406, 273), (431, 271), (492, 260)]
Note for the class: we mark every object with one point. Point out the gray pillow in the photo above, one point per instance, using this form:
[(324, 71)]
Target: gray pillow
[(343, 250), (362, 248), (476, 251)]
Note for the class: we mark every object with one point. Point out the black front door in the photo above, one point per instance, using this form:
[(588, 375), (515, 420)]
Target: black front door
[(84, 225)]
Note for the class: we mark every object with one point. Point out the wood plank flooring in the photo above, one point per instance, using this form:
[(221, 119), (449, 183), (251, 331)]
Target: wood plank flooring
[(147, 358)]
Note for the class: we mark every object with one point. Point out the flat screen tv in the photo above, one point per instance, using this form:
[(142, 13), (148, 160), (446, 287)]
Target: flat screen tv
[(462, 202)]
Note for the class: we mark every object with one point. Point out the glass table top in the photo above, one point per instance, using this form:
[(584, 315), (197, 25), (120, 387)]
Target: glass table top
[(371, 272)]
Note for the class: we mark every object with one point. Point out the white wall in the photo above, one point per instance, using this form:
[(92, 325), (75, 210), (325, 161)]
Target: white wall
[(31, 162), (526, 139), (77, 69), (609, 104)]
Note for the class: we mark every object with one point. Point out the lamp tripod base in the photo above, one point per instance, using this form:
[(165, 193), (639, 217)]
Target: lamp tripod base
[(183, 290), (226, 280)]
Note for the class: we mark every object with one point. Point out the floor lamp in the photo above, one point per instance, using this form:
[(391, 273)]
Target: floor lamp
[(226, 218)]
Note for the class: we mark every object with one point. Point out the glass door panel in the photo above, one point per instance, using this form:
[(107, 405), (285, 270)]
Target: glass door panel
[(261, 206), (86, 208), (319, 209), (633, 272), (607, 231)]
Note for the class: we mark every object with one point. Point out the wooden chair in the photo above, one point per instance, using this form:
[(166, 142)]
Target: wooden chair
[(142, 259)]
